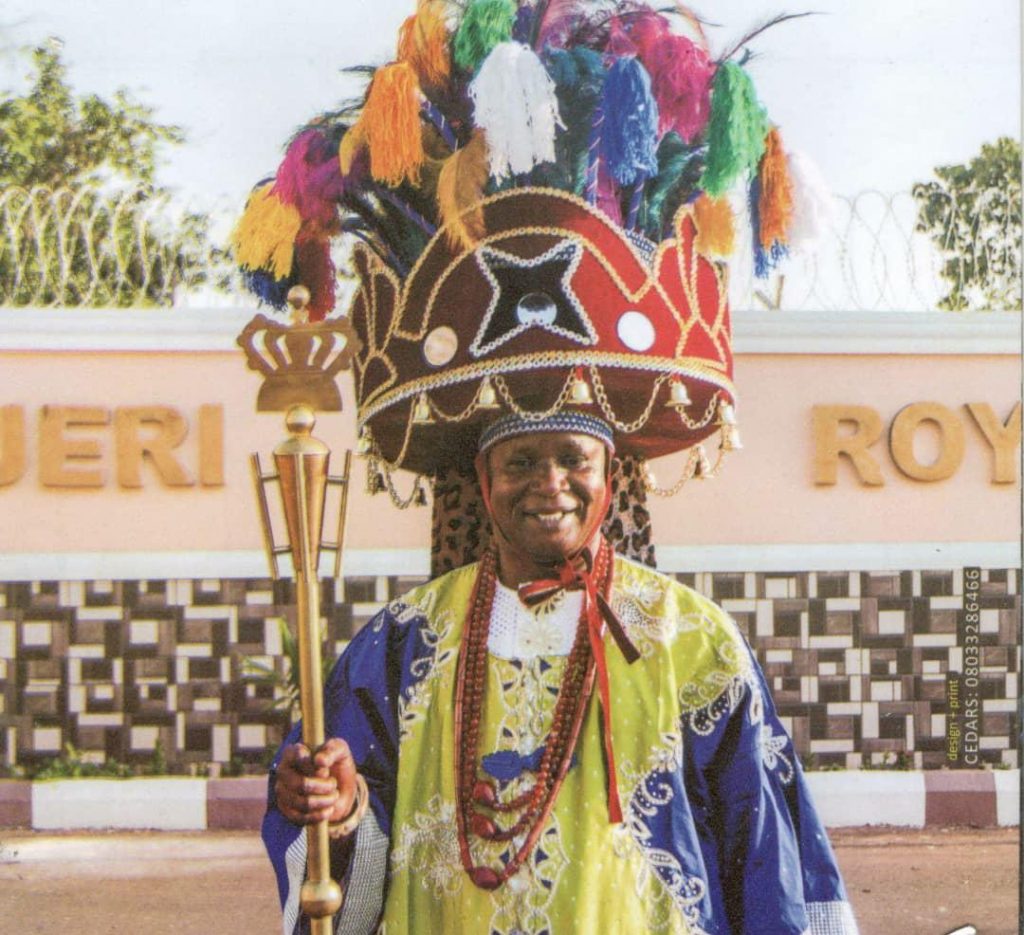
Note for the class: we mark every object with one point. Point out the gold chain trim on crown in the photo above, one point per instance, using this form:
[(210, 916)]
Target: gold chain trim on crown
[(709, 413), (563, 398), (696, 457), (609, 414), (684, 367)]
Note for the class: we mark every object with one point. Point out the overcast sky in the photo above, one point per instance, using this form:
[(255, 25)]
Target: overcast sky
[(877, 92)]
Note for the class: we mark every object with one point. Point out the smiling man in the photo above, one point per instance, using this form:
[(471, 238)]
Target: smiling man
[(549, 738), (556, 740)]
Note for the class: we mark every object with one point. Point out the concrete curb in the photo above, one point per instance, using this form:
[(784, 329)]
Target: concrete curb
[(851, 798)]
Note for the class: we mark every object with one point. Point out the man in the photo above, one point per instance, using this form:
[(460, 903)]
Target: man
[(605, 760), (550, 738)]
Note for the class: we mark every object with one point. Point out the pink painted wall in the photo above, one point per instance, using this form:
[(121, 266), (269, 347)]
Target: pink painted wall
[(765, 493)]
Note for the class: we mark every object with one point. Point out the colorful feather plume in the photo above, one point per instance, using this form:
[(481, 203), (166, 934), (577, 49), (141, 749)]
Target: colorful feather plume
[(309, 177), (814, 208), (423, 43), (766, 258), (607, 99), (514, 103), (555, 21), (314, 268), (485, 24), (681, 75), (460, 189), (391, 123), (264, 238), (716, 231), (736, 130), (629, 136), (775, 201)]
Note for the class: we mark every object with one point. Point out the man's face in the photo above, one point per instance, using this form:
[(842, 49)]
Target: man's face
[(546, 491)]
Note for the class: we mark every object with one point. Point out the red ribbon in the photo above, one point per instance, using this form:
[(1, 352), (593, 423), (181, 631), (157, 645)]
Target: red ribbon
[(597, 612)]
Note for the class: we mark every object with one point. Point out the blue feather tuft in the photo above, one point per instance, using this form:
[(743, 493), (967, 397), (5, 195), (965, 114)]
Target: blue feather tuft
[(270, 291), (629, 137)]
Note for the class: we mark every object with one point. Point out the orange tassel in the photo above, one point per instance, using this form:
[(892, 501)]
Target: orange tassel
[(775, 204), (460, 189), (391, 122), (423, 43), (715, 230)]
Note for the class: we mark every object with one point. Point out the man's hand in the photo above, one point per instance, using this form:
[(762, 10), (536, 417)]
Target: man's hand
[(311, 788)]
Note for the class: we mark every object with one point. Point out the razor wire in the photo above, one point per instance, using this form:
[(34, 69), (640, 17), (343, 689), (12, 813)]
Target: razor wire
[(100, 247), (875, 255)]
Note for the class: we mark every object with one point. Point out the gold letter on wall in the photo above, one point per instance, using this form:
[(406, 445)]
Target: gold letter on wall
[(56, 449), (1004, 437), (170, 431), (951, 441), (12, 444), (211, 446), (829, 444)]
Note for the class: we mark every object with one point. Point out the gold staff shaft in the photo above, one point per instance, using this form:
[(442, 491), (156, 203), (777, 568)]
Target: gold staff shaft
[(302, 467)]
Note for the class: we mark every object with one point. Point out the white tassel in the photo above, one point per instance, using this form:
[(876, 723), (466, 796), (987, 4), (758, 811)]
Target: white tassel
[(814, 208), (515, 104)]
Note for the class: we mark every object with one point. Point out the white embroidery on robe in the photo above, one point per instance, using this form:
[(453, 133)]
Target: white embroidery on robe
[(426, 668), (661, 884)]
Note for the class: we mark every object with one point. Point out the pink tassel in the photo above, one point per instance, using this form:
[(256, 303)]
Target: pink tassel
[(681, 71), (681, 83), (309, 178)]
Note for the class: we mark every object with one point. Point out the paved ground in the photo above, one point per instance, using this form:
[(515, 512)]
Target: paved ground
[(905, 882)]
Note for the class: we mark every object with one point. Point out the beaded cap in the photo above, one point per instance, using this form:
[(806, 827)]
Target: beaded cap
[(512, 426)]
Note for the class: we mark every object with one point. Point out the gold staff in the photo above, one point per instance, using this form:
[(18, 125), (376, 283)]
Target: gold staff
[(301, 470)]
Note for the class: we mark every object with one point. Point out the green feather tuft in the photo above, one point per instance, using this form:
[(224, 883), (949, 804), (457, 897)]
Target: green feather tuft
[(736, 131), (484, 24), (678, 172)]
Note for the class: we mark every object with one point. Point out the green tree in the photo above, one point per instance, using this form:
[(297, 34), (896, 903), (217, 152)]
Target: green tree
[(973, 215), (50, 137), (83, 221)]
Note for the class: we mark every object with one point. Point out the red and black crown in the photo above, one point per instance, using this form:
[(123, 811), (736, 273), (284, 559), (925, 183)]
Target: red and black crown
[(540, 193)]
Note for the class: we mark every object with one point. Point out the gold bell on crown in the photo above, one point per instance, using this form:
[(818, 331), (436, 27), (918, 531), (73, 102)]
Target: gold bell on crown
[(727, 425), (579, 392), (678, 397), (702, 468), (421, 413), (487, 398)]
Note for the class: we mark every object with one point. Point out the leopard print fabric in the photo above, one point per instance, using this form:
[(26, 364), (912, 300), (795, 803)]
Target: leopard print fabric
[(461, 529)]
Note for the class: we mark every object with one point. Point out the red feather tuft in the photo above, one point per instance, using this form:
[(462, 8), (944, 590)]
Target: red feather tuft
[(314, 269)]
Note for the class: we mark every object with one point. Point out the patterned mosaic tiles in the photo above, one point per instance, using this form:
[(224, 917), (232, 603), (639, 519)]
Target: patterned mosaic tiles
[(858, 662)]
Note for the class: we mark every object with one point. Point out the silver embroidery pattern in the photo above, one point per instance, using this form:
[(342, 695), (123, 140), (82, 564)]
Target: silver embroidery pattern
[(425, 669), (639, 602), (429, 844), (662, 884), (428, 849), (772, 746), (718, 694), (528, 691)]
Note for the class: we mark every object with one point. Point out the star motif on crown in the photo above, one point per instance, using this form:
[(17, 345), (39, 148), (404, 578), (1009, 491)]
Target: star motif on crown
[(532, 292)]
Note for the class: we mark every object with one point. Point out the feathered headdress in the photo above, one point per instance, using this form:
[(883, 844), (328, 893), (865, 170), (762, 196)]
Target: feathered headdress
[(540, 192)]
